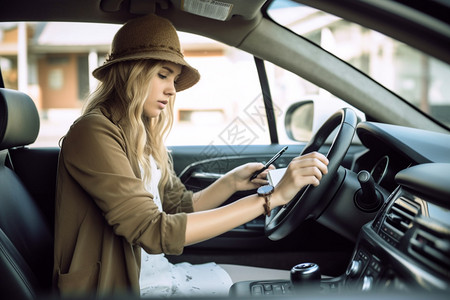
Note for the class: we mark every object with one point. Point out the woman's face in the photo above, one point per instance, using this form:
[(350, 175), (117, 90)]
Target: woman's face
[(162, 87)]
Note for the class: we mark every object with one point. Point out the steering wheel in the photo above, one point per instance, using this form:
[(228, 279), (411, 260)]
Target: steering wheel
[(310, 201)]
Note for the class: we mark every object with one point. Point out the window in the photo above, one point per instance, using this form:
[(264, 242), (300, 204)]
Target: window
[(415, 76), (289, 91), (224, 108)]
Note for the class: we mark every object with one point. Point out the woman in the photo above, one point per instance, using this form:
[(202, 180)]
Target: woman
[(116, 189)]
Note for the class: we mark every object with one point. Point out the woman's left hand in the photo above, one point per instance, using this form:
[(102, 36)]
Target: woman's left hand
[(240, 176)]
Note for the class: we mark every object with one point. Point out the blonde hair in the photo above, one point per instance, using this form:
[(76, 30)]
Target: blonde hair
[(122, 92)]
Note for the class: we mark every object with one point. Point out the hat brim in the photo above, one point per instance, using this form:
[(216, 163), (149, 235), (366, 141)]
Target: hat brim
[(189, 76)]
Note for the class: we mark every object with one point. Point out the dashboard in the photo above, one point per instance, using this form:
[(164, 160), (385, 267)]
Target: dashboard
[(406, 246), (392, 148), (408, 243)]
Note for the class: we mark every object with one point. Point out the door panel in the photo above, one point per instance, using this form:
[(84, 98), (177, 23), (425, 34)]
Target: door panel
[(199, 166)]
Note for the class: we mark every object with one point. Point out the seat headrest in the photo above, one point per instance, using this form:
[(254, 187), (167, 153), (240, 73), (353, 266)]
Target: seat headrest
[(19, 119)]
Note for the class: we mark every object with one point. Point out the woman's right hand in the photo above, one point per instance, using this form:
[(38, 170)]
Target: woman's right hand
[(302, 170)]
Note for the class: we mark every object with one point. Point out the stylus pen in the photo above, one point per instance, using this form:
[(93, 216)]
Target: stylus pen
[(271, 161)]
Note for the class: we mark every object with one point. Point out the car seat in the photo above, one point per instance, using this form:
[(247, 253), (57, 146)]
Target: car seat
[(26, 240)]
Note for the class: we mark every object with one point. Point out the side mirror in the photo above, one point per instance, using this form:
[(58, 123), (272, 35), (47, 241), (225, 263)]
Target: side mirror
[(298, 121), (303, 118)]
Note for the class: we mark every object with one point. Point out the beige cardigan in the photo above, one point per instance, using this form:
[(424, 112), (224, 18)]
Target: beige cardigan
[(104, 214)]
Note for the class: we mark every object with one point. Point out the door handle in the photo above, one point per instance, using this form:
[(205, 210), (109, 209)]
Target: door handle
[(206, 175)]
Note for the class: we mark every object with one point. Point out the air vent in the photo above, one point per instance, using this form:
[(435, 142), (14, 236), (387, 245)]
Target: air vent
[(432, 249), (398, 220)]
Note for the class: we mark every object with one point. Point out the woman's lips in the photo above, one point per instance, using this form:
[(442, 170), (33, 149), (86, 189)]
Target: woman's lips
[(162, 103)]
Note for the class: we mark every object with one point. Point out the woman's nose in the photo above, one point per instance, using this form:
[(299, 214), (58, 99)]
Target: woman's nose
[(170, 89)]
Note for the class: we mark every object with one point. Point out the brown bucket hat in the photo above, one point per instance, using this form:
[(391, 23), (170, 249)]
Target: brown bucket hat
[(149, 37)]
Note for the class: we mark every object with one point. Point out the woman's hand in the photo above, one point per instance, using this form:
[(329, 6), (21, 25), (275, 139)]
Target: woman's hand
[(307, 169), (302, 170), (240, 176), (235, 180)]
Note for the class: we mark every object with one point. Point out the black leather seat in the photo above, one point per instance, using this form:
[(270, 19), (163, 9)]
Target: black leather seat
[(26, 238)]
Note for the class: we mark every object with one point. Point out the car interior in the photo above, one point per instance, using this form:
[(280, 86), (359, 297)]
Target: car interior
[(377, 226)]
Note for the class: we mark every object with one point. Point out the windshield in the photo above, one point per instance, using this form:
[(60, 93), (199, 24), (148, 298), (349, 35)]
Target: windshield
[(408, 72)]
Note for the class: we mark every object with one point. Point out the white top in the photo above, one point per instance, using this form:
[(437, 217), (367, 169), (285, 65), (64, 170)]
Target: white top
[(160, 278)]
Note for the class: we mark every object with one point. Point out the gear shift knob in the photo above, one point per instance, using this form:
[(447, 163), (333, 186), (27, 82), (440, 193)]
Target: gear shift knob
[(305, 275)]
